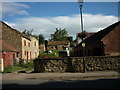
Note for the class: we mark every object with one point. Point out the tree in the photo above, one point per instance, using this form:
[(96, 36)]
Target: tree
[(82, 35), (70, 38), (28, 32), (46, 43), (59, 35), (41, 39)]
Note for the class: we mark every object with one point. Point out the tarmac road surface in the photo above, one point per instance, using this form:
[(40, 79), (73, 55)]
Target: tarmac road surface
[(103, 79)]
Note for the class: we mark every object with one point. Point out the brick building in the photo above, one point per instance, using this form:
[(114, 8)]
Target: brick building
[(27, 46), (104, 42)]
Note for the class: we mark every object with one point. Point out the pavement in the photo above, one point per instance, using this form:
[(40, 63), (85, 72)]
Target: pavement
[(58, 76), (51, 79)]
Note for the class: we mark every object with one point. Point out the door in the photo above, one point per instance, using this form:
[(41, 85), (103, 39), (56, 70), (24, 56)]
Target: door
[(27, 56)]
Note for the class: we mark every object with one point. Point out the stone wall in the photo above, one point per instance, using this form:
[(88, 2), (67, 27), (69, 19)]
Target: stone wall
[(75, 64), (50, 65), (12, 37)]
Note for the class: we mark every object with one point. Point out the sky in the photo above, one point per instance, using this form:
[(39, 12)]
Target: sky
[(44, 17)]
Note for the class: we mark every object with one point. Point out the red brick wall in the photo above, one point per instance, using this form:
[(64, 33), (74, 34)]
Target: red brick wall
[(112, 41), (8, 58)]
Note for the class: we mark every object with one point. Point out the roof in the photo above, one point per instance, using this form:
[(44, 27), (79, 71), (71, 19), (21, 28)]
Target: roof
[(3, 23), (4, 46), (101, 34), (26, 36), (18, 32), (58, 42), (87, 33)]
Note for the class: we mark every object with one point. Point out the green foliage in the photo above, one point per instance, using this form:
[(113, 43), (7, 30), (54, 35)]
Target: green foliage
[(59, 35), (28, 32), (11, 69), (54, 54), (46, 43), (70, 38), (26, 67), (41, 39)]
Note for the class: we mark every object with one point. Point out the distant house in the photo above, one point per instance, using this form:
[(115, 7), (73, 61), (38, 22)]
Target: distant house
[(42, 47), (8, 53), (27, 46), (58, 45), (104, 42)]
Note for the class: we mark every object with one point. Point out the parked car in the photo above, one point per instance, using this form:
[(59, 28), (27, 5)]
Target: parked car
[(48, 51)]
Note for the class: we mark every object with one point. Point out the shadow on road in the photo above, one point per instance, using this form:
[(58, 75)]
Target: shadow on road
[(100, 83)]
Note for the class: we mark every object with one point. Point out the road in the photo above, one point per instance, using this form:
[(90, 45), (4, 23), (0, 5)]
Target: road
[(107, 79)]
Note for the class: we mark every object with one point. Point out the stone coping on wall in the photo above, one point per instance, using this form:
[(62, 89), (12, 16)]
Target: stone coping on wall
[(62, 58)]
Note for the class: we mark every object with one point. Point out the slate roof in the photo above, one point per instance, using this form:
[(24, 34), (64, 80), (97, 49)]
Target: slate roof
[(4, 46), (100, 35), (58, 43)]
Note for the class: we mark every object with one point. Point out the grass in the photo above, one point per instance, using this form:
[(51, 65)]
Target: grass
[(11, 69), (26, 67)]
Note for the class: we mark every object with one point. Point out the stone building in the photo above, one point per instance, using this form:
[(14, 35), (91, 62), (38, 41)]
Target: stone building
[(104, 42), (34, 47), (27, 46), (30, 48), (26, 52), (58, 45), (11, 36)]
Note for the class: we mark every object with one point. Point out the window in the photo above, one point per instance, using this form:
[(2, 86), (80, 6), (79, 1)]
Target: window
[(25, 53), (35, 54), (30, 55), (28, 44), (24, 43), (35, 43)]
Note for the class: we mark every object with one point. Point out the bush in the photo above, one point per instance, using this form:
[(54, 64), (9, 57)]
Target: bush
[(54, 54), (27, 65)]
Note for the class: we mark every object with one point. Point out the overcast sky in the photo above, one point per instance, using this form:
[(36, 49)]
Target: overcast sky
[(44, 17)]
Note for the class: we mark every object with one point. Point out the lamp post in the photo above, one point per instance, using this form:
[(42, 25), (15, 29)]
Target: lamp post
[(80, 3)]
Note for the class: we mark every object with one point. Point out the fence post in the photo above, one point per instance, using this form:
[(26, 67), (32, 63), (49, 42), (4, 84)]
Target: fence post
[(2, 65)]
